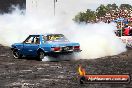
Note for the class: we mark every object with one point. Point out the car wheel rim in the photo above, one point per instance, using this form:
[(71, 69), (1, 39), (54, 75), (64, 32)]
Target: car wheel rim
[(41, 55), (15, 54)]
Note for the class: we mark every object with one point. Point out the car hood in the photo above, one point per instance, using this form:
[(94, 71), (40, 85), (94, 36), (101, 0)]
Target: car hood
[(61, 44), (16, 44)]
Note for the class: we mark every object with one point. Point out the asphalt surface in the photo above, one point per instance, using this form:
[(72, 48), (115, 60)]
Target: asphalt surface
[(30, 73)]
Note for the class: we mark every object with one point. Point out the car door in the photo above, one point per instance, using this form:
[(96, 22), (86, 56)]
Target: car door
[(31, 46)]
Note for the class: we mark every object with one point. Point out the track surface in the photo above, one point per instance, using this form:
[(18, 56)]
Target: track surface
[(23, 73)]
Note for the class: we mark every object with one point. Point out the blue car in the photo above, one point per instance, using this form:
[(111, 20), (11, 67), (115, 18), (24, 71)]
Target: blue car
[(42, 45)]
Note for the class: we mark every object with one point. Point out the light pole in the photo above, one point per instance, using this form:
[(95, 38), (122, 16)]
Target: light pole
[(54, 6)]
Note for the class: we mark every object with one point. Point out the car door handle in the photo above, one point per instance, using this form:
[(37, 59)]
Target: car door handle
[(30, 50)]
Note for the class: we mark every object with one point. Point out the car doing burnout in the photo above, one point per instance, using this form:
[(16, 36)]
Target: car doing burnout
[(41, 45)]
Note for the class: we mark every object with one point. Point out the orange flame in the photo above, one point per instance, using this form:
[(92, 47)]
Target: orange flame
[(81, 71)]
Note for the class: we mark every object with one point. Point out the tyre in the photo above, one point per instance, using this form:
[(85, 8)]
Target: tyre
[(41, 55), (16, 54)]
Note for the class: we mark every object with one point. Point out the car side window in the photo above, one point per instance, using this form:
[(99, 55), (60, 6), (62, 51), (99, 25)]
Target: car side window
[(36, 40), (30, 40), (44, 39)]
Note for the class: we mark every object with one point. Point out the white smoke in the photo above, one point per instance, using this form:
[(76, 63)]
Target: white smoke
[(15, 27), (96, 40)]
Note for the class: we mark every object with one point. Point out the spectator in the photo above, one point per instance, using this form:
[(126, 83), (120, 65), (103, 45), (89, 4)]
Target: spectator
[(126, 31)]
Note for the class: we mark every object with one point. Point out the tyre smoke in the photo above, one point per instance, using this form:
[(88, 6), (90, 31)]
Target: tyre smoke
[(96, 40)]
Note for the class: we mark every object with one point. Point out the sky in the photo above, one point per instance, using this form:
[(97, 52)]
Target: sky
[(74, 5)]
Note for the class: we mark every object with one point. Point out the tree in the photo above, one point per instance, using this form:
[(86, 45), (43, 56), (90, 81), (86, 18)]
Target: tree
[(101, 10), (125, 6), (79, 17), (112, 7), (90, 15), (85, 17)]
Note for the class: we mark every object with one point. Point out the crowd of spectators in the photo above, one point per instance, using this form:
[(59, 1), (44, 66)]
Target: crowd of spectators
[(122, 17)]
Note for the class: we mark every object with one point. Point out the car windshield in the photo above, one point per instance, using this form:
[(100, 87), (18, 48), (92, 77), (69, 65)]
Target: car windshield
[(56, 38)]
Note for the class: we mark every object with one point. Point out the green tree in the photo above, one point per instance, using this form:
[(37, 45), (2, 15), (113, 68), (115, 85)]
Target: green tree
[(90, 15), (112, 7), (101, 10), (79, 17), (85, 17), (125, 6)]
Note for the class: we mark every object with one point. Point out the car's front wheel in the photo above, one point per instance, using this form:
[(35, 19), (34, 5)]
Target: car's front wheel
[(16, 54), (41, 55)]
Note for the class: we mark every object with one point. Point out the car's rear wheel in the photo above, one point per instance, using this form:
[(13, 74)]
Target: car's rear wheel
[(41, 55), (16, 54)]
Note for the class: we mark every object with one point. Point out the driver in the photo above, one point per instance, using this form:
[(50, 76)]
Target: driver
[(36, 40)]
